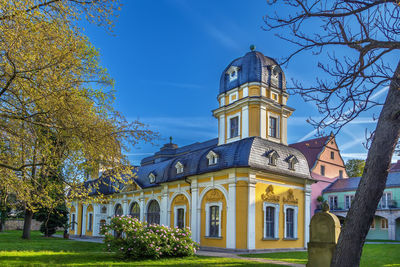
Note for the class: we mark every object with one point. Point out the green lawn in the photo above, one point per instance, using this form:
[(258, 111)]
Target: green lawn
[(373, 255), (39, 251)]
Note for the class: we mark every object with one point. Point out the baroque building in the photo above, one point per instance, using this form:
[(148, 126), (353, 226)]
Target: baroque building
[(244, 190)]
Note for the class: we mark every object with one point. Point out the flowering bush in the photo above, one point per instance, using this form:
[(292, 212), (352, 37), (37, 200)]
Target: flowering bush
[(131, 238)]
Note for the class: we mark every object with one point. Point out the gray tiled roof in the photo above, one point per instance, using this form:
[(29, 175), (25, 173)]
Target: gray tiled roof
[(351, 184), (253, 67), (249, 152)]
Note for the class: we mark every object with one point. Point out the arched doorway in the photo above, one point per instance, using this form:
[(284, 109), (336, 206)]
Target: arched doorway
[(118, 210), (153, 212), (134, 211)]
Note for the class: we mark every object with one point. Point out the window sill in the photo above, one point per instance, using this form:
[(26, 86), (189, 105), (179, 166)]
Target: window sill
[(213, 237), (270, 239), (290, 238)]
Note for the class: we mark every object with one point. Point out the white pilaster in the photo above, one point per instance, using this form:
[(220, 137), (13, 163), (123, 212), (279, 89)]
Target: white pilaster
[(251, 219), (245, 121), (164, 206), (84, 223), (284, 130), (392, 228), (307, 213), (142, 207), (195, 224), (231, 213), (245, 92), (263, 121), (221, 127), (125, 206), (96, 224)]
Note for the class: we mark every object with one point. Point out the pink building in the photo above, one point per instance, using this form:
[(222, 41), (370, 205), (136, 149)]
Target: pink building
[(325, 163)]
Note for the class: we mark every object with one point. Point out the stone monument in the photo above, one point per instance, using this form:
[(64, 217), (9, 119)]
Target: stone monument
[(324, 233)]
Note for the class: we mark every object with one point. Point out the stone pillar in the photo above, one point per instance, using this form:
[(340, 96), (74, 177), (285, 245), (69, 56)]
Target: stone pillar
[(251, 216), (84, 223), (263, 121), (142, 206), (125, 206), (391, 228), (194, 220), (245, 121), (164, 206), (231, 213), (221, 129), (324, 233), (96, 225), (307, 213)]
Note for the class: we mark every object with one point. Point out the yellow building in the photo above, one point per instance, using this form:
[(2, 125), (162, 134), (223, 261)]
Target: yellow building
[(245, 190)]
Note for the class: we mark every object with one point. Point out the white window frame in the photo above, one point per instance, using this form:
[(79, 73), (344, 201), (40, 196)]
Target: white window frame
[(295, 220), (228, 122), (232, 73), (179, 167), (231, 95), (276, 219), (273, 94), (385, 204), (208, 205), (212, 158), (329, 201), (347, 204), (278, 126), (88, 222), (152, 178), (222, 101), (176, 215)]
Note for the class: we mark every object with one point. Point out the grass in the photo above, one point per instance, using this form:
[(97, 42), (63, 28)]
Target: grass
[(41, 251), (373, 255), (382, 240)]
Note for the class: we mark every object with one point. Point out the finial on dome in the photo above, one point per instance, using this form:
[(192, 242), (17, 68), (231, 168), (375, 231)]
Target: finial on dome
[(252, 47), (170, 139)]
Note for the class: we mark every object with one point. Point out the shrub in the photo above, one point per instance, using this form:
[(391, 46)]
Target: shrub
[(133, 239)]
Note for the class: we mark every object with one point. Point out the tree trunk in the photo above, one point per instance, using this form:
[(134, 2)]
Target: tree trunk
[(373, 181), (26, 234)]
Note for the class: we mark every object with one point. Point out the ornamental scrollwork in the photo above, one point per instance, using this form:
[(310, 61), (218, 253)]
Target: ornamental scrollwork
[(290, 198), (269, 195)]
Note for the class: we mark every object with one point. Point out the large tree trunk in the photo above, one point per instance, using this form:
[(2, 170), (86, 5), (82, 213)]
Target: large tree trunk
[(26, 234), (359, 218)]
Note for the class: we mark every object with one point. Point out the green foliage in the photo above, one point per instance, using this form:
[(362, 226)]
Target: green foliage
[(51, 219), (133, 239), (355, 167), (320, 199)]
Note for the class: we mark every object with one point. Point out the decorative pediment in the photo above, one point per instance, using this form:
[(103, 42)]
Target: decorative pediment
[(152, 177), (292, 161), (179, 167), (180, 199), (131, 186), (273, 156), (214, 195), (269, 195), (290, 198)]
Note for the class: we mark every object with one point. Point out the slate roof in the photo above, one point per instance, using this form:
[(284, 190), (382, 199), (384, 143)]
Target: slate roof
[(351, 184), (395, 167), (249, 152), (253, 67), (311, 149)]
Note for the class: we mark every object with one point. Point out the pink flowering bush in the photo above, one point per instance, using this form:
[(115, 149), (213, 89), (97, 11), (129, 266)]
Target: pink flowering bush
[(134, 239)]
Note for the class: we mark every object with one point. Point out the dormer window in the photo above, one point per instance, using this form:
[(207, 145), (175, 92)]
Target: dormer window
[(292, 160), (152, 177), (232, 72), (273, 157), (179, 167), (212, 158)]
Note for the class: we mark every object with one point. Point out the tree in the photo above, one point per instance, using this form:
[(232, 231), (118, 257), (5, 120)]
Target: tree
[(361, 39), (355, 167), (56, 115), (52, 219)]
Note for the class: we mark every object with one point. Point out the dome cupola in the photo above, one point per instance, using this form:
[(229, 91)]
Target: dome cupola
[(250, 68)]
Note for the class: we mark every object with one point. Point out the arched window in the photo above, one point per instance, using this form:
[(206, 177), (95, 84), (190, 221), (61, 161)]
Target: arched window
[(153, 213), (118, 210), (270, 222), (214, 221), (135, 210)]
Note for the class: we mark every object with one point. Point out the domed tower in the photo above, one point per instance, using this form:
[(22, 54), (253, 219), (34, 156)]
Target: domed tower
[(252, 100)]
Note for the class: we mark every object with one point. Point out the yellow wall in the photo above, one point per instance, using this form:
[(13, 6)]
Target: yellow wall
[(72, 210), (241, 211), (254, 120), (174, 203), (281, 191), (213, 242), (254, 90), (80, 209)]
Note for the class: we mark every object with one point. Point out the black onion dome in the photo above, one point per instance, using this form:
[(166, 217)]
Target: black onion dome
[(252, 67)]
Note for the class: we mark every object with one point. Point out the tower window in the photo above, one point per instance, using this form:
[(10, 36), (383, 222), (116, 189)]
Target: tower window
[(234, 127), (212, 158), (322, 170), (273, 127), (280, 80), (332, 155), (340, 174)]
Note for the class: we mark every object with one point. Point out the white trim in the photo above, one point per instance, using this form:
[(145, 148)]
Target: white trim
[(88, 222), (278, 130), (276, 218), (295, 219), (179, 167), (307, 213), (221, 126), (263, 121), (245, 121), (231, 216), (207, 207), (228, 122), (147, 206), (176, 215), (222, 101), (245, 91), (231, 95), (280, 184), (208, 188), (251, 217), (212, 158)]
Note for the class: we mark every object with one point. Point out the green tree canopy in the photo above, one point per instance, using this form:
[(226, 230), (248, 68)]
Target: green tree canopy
[(355, 167)]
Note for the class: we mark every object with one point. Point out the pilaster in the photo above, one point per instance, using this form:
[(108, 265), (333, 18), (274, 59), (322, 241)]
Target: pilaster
[(245, 121), (195, 220), (231, 213), (221, 128), (307, 213), (164, 206), (142, 206), (251, 219)]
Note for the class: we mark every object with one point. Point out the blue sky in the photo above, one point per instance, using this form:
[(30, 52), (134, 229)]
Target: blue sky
[(166, 57)]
